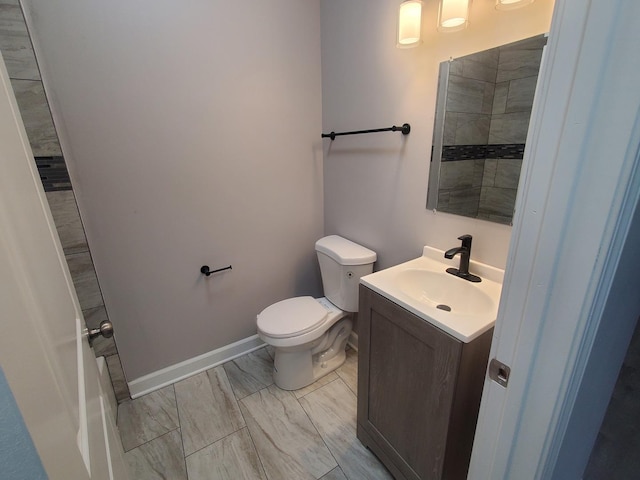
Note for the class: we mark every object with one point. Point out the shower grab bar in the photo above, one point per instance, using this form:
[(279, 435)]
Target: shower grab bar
[(405, 129)]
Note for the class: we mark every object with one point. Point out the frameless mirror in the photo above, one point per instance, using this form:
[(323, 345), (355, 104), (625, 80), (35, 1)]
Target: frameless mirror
[(482, 117)]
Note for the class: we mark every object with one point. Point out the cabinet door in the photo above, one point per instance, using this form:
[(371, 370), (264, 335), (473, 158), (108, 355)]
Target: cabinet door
[(406, 383)]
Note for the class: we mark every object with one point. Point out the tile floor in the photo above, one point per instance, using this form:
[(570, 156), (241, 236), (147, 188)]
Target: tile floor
[(232, 422)]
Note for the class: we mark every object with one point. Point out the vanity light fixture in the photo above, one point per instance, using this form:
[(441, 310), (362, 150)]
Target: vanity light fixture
[(409, 19), (512, 4), (453, 15)]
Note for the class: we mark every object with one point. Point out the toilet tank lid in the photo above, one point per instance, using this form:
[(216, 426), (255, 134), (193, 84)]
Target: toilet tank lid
[(344, 251)]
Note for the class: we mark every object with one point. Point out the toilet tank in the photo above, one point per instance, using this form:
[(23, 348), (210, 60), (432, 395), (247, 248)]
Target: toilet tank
[(342, 263)]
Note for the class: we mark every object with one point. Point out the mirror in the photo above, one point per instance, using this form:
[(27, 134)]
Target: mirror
[(482, 117)]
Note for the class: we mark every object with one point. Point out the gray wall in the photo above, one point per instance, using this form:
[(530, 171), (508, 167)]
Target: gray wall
[(375, 185), (191, 133), (18, 55), (615, 453)]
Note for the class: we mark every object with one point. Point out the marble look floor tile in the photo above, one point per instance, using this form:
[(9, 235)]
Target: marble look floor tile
[(147, 417), (332, 409), (207, 409), (67, 219), (335, 474), (119, 382), (271, 351), (288, 444), (348, 371), (250, 373), (232, 458), (330, 377), (159, 459)]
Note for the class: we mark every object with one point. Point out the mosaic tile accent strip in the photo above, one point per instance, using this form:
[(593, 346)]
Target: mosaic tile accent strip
[(53, 173), (452, 153)]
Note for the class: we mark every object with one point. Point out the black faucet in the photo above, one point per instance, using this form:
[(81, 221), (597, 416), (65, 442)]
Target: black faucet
[(465, 254)]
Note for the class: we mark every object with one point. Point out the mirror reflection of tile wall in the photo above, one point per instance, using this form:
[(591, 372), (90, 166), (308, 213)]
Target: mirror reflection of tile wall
[(19, 58), (488, 106)]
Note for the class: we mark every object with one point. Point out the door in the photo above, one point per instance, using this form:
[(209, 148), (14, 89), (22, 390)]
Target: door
[(574, 211), (44, 353)]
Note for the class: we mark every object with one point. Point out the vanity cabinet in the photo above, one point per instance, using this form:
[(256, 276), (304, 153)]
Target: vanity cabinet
[(419, 391)]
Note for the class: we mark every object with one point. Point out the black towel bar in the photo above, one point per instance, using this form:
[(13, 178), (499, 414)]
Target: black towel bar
[(405, 129)]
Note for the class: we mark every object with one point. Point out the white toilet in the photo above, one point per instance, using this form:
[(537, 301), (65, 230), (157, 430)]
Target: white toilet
[(310, 335)]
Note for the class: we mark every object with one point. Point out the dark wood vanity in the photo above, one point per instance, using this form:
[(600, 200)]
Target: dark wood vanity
[(419, 391)]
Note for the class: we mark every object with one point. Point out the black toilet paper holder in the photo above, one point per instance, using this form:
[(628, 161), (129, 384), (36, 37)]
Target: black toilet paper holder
[(206, 271)]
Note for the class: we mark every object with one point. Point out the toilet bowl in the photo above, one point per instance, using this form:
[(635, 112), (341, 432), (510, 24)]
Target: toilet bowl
[(310, 335)]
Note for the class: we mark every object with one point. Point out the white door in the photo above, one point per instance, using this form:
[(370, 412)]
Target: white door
[(574, 212), (44, 354)]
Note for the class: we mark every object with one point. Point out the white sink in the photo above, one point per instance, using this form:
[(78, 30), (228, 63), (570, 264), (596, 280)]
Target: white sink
[(461, 308)]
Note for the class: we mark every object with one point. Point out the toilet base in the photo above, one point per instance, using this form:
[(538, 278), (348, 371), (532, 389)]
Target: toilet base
[(297, 367)]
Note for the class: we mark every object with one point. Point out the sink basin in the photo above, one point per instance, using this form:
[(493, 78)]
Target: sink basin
[(461, 308), (444, 291)]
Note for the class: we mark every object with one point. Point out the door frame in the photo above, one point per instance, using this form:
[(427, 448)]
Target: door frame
[(578, 192)]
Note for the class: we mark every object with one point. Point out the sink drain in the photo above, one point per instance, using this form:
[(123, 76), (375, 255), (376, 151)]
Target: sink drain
[(446, 308)]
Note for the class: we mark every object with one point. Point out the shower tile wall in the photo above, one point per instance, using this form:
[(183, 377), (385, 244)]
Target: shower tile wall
[(19, 57), (470, 99), (489, 102), (516, 78)]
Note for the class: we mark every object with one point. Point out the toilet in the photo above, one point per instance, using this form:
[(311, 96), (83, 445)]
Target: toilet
[(309, 334)]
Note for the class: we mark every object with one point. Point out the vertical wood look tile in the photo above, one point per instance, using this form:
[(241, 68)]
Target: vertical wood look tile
[(15, 43), (67, 219), (118, 380), (36, 116), (85, 280)]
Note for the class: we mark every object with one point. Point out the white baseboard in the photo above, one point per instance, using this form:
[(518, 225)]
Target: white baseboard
[(179, 371)]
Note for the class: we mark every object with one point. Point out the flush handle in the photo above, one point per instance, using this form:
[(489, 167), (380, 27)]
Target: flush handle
[(499, 372)]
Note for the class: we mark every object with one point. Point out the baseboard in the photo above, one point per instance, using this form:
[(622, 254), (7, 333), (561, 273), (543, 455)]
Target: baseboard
[(353, 340), (179, 371)]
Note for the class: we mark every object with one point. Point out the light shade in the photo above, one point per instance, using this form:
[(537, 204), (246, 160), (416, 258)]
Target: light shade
[(409, 17), (453, 15), (511, 4)]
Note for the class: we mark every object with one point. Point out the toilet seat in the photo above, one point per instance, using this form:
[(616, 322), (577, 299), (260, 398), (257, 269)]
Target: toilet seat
[(291, 317)]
